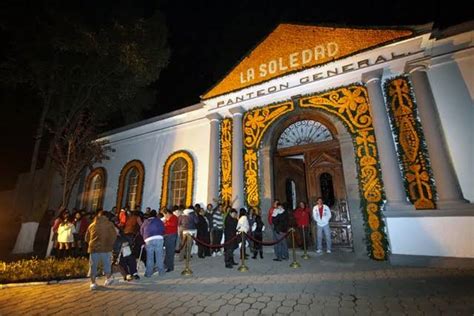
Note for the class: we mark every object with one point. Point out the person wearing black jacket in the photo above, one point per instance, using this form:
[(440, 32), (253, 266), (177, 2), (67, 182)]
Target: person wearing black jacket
[(280, 225), (203, 234), (257, 232), (230, 231)]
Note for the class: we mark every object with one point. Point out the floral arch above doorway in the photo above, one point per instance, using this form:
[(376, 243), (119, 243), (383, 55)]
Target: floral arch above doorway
[(351, 105)]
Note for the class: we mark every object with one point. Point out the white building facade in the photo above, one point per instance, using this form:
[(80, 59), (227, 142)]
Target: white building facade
[(377, 121)]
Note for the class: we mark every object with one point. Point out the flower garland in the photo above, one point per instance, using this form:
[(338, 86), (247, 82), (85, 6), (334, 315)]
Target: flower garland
[(409, 137), (226, 161), (351, 105), (255, 123)]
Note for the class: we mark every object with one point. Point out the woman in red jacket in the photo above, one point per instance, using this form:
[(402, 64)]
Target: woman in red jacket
[(171, 235), (302, 216)]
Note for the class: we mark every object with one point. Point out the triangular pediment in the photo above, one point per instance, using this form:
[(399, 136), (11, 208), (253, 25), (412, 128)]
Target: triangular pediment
[(290, 48)]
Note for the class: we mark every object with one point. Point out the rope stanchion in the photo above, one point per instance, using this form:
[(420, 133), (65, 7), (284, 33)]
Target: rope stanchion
[(295, 263), (180, 247), (187, 271), (230, 241), (243, 267), (305, 255)]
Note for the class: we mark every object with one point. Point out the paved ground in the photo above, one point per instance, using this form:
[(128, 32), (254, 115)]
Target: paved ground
[(324, 285)]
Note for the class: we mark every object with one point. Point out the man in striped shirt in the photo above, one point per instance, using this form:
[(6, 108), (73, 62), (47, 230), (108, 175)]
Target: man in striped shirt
[(217, 228)]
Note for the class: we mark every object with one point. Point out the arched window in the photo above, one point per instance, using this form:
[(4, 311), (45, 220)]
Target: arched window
[(178, 180), (130, 198), (302, 133), (95, 189), (130, 187)]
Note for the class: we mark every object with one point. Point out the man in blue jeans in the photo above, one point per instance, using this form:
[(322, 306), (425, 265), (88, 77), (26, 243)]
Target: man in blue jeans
[(152, 231), (322, 215), (170, 238), (280, 227), (100, 236)]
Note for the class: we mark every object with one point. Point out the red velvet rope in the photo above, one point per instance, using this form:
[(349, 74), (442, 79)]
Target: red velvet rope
[(215, 246), (268, 243)]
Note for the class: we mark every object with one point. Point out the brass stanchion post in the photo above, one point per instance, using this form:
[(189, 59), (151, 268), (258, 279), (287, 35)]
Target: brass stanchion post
[(305, 255), (243, 267), (295, 263), (187, 271)]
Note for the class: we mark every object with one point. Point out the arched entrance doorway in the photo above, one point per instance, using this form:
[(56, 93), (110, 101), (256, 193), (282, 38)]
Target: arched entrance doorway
[(348, 109), (307, 164)]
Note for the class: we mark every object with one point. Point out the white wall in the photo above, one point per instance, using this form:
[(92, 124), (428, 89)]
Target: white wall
[(452, 83), (432, 236), (153, 149)]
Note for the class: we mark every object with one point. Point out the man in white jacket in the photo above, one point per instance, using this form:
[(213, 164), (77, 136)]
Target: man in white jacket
[(322, 215)]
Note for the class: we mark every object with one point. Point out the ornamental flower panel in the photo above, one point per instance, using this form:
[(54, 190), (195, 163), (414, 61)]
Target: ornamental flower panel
[(255, 124), (226, 161), (351, 105), (410, 141)]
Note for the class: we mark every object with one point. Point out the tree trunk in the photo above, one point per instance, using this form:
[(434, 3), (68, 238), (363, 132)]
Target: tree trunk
[(38, 137), (26, 238), (67, 197), (67, 182), (40, 196)]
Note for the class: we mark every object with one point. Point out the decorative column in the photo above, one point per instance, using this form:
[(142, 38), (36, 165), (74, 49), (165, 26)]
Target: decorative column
[(213, 184), (238, 197), (391, 175), (447, 183)]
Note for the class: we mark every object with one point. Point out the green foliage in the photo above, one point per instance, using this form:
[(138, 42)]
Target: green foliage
[(73, 64), (77, 57), (363, 200), (43, 270)]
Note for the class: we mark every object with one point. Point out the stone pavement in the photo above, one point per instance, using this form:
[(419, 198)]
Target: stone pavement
[(325, 285)]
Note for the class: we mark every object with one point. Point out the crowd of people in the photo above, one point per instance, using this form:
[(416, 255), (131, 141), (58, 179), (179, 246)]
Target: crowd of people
[(126, 238)]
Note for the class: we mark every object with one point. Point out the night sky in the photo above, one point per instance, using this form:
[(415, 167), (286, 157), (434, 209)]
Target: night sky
[(207, 39)]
